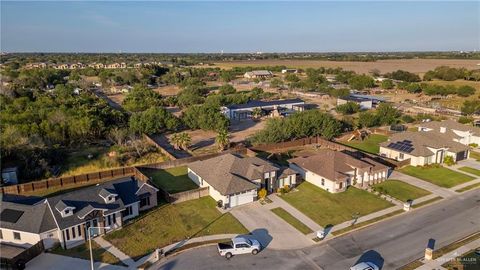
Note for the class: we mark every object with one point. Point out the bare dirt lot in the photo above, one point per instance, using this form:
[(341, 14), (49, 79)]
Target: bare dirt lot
[(412, 65)]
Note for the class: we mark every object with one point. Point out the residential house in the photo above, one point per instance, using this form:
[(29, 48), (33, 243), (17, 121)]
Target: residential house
[(96, 65), (36, 65), (260, 74), (66, 218), (334, 171), (289, 70), (234, 180), (365, 102), (423, 148), (245, 111), (464, 134), (62, 66), (116, 65)]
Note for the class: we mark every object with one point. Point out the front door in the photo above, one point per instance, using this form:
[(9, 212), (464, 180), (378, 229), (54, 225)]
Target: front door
[(93, 231)]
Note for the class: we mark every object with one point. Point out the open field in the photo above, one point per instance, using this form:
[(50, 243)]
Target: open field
[(83, 252), (439, 176), (170, 223), (168, 90), (172, 180), (297, 224), (412, 65), (456, 101), (329, 209), (400, 190), (370, 144)]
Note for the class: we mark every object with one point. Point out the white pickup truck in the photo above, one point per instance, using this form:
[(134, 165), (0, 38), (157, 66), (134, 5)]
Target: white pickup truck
[(239, 245)]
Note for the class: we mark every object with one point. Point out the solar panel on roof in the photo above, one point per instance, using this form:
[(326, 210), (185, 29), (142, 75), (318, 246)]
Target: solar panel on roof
[(10, 215)]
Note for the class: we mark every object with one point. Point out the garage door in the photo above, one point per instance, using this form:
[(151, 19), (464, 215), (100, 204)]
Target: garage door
[(461, 155), (240, 199)]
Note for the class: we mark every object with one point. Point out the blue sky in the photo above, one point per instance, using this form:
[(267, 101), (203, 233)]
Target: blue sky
[(239, 26)]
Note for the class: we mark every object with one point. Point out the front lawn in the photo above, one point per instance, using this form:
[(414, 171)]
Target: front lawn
[(327, 208), (297, 224), (172, 180), (470, 170), (475, 155), (370, 144), (83, 252), (437, 175), (400, 190), (172, 223)]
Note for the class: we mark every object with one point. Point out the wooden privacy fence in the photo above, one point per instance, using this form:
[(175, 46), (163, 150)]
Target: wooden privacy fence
[(185, 195), (94, 177), (323, 143)]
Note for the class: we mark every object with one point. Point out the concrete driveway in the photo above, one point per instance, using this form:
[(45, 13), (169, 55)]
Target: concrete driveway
[(48, 261), (272, 231), (469, 163)]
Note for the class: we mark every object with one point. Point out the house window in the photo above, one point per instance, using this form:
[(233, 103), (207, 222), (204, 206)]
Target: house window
[(145, 201), (401, 156), (79, 230), (323, 182), (128, 211), (73, 232), (67, 234), (16, 236), (109, 220), (113, 218), (1, 234), (340, 185)]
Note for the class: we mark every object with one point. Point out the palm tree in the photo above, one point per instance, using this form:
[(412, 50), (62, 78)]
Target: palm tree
[(181, 140), (222, 140), (257, 113), (185, 140)]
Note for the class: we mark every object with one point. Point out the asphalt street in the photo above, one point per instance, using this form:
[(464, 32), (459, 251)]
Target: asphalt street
[(390, 244)]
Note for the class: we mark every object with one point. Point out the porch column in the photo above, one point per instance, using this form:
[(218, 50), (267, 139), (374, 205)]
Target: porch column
[(101, 223)]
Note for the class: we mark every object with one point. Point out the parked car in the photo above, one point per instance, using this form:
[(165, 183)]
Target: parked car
[(364, 266), (239, 245)]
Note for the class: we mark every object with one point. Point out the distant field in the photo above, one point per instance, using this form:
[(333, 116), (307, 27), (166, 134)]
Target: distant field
[(412, 65)]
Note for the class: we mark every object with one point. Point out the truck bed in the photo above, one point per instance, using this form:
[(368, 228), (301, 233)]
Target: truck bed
[(226, 245)]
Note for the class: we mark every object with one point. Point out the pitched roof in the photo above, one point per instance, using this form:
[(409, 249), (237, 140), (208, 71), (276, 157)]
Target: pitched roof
[(33, 218), (229, 174), (260, 72), (262, 103), (419, 142), (88, 199), (450, 124), (335, 165)]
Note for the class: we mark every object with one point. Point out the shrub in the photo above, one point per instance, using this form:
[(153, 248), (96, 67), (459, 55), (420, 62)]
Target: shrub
[(449, 161), (262, 194), (474, 145), (286, 188)]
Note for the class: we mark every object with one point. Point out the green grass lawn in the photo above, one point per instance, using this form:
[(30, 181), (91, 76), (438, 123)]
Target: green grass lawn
[(437, 175), (172, 223), (370, 145), (329, 209), (470, 170), (297, 224), (83, 252), (400, 190), (475, 155), (172, 180)]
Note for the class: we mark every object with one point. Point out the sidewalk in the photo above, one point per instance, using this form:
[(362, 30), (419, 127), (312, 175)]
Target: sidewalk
[(114, 251), (437, 263), (439, 191)]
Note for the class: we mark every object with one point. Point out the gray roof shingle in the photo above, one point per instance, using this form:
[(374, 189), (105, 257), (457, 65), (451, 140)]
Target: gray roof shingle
[(230, 174)]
